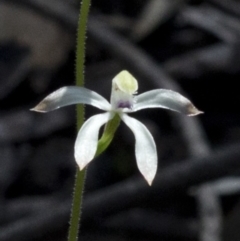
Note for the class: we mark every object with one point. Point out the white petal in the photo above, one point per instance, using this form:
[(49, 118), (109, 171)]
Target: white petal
[(167, 99), (145, 148), (87, 139), (71, 95)]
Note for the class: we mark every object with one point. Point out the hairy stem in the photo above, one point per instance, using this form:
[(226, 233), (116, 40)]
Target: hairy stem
[(80, 175)]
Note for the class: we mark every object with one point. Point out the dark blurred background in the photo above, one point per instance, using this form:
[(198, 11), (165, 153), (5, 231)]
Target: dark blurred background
[(191, 46)]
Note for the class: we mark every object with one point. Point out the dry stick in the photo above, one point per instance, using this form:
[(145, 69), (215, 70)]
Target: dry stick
[(191, 128)]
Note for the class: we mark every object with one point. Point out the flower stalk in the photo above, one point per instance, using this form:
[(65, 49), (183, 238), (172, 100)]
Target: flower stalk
[(80, 175)]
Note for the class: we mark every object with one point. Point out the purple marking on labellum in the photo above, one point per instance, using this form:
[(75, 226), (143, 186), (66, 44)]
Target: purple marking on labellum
[(124, 105)]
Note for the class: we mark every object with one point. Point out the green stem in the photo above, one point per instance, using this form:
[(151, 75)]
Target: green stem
[(81, 37), (80, 175), (76, 205), (108, 134)]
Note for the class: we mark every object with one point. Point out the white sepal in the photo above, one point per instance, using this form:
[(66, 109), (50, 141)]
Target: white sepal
[(87, 138), (72, 95), (145, 148), (167, 99)]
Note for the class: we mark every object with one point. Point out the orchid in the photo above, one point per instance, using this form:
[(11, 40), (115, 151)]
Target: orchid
[(123, 100)]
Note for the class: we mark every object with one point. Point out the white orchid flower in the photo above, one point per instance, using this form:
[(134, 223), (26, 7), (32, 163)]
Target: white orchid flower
[(123, 100)]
